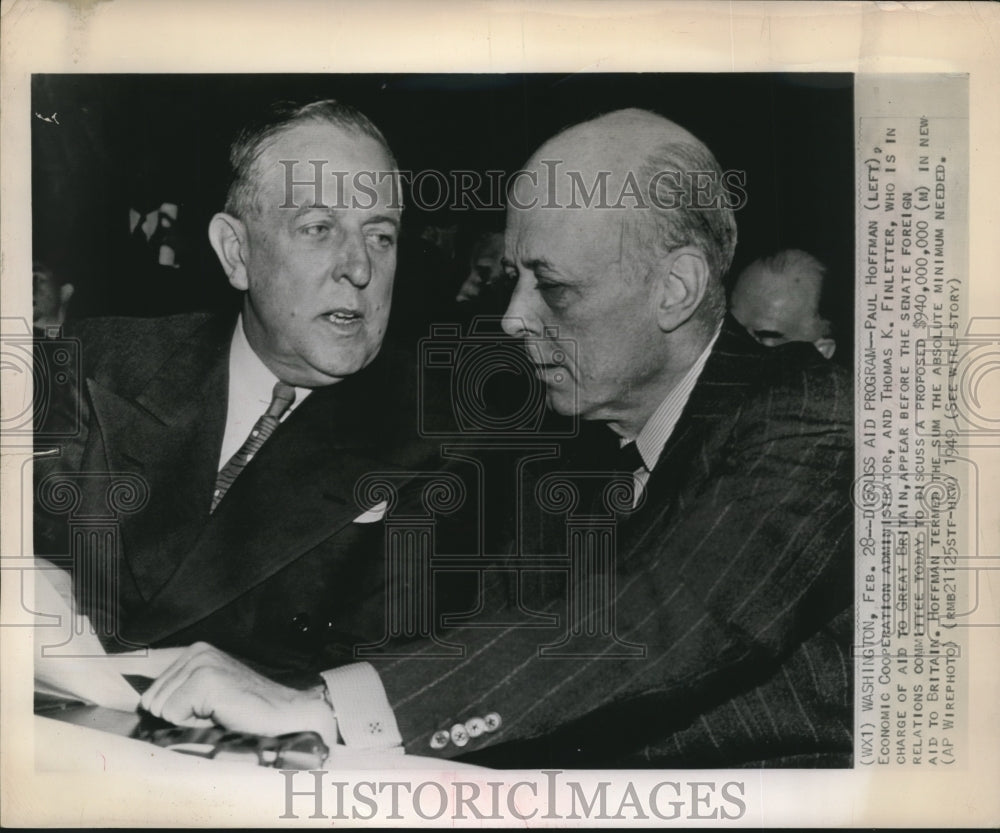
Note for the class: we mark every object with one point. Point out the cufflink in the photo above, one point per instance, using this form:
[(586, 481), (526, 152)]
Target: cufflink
[(475, 727), (439, 740), (492, 721), (459, 736)]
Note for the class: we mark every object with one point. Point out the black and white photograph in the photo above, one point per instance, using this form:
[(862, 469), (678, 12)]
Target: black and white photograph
[(395, 434)]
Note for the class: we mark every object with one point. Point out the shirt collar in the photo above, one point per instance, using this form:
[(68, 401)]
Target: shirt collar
[(251, 382), (658, 428)]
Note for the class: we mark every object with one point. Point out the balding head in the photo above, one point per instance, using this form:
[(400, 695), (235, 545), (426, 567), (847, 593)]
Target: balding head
[(620, 230), (618, 142), (648, 175), (777, 299)]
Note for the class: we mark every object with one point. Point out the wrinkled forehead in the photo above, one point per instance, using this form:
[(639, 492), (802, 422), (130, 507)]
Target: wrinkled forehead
[(561, 233), (557, 206)]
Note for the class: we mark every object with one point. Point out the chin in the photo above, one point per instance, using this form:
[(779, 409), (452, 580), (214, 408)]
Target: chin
[(563, 402), (350, 365), (346, 363)]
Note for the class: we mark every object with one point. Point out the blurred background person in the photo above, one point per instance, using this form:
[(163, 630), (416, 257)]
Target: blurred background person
[(484, 266), (778, 299), (50, 297)]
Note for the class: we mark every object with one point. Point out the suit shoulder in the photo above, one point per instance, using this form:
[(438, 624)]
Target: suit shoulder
[(110, 331), (796, 381), (123, 348), (797, 370)]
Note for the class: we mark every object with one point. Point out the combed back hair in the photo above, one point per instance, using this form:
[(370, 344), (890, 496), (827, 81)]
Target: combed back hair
[(673, 225), (242, 197)]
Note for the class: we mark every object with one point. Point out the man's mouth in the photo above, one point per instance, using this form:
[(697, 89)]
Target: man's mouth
[(344, 317)]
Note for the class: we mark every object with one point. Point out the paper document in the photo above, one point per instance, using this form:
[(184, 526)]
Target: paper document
[(91, 675)]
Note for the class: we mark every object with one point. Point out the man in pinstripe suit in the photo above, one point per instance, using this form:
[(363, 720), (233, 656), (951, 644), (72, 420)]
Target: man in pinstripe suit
[(731, 584)]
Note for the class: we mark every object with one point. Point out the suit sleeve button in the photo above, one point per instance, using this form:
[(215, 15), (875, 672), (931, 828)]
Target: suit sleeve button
[(439, 740), (459, 736), (492, 722), (300, 621), (475, 727)]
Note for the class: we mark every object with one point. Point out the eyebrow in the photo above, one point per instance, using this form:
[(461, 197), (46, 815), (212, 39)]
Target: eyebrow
[(537, 263), (314, 207), (382, 218), (378, 218)]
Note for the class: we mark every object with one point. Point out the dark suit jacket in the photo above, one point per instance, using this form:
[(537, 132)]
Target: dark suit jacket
[(279, 574), (734, 577)]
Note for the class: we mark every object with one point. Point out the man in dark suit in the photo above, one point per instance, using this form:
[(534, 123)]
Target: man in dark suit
[(708, 620), (220, 524)]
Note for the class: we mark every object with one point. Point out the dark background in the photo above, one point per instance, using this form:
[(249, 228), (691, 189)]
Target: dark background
[(142, 140)]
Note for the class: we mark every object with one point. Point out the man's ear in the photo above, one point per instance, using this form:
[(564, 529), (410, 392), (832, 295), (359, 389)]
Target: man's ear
[(228, 237), (826, 347), (680, 281)]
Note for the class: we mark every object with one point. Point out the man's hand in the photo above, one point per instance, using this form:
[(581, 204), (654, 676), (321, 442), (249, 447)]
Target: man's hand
[(203, 682)]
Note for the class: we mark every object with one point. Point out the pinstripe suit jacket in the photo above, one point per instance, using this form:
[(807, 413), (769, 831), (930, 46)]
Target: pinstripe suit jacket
[(734, 577)]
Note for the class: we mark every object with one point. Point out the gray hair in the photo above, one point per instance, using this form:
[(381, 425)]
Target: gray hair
[(242, 197), (670, 172)]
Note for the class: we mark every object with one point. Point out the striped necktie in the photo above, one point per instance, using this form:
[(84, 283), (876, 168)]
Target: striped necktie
[(281, 400)]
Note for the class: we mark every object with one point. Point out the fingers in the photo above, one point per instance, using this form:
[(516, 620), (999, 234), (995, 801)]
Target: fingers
[(173, 686), (203, 682), (190, 699)]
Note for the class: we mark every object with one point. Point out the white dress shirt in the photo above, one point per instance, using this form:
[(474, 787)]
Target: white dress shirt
[(658, 428), (251, 386)]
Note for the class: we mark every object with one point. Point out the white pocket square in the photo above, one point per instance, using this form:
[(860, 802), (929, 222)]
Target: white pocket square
[(373, 515)]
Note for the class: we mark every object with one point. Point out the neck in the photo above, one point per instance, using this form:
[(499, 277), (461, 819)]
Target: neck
[(678, 360)]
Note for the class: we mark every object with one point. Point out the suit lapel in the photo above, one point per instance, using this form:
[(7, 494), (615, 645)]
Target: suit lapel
[(296, 492), (170, 433), (713, 404)]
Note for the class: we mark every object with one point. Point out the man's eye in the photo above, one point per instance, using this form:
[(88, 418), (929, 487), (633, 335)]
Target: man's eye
[(554, 294), (315, 230), (381, 240)]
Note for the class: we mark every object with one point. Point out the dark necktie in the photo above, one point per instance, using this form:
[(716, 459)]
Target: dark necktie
[(628, 459), (612, 461), (281, 400)]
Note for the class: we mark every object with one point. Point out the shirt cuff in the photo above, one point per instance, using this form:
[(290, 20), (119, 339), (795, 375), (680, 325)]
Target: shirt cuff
[(364, 716)]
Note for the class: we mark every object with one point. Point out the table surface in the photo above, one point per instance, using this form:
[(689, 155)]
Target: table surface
[(64, 747)]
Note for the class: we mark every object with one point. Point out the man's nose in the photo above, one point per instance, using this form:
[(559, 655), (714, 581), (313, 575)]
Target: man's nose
[(353, 262), (520, 320)]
